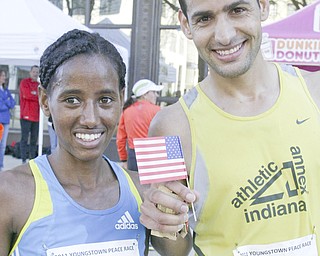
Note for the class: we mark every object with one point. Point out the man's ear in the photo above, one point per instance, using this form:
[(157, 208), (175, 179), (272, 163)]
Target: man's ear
[(264, 9), (184, 24), (43, 100)]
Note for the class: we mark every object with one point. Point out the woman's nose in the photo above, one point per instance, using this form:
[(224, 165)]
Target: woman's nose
[(90, 114)]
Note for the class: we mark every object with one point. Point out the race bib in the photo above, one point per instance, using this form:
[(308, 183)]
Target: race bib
[(112, 248), (305, 246)]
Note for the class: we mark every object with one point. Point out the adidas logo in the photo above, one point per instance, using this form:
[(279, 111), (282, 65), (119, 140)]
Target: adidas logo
[(126, 222)]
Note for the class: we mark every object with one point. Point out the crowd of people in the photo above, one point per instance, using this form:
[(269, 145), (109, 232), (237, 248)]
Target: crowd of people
[(29, 116), (250, 134)]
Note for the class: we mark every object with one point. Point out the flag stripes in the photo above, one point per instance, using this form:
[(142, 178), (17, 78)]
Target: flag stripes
[(159, 159)]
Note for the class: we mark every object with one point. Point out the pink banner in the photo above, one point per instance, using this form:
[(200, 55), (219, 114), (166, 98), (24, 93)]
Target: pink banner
[(296, 39)]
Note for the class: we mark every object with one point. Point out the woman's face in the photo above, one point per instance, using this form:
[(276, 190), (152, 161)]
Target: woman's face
[(85, 105), (151, 96), (2, 78)]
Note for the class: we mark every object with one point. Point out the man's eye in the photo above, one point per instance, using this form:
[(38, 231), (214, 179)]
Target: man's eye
[(105, 100), (72, 100), (238, 10), (204, 19)]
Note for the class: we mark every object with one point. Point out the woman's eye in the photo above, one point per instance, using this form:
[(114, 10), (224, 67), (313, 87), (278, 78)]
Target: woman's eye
[(72, 100)]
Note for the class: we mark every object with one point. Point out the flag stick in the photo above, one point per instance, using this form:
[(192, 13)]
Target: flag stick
[(192, 205)]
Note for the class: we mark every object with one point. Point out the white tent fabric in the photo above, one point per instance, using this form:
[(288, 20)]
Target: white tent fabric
[(27, 27)]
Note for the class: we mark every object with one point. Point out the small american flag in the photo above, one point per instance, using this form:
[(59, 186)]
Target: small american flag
[(159, 159)]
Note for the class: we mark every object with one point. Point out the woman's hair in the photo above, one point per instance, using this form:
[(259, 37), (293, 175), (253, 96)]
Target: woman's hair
[(132, 99), (77, 42)]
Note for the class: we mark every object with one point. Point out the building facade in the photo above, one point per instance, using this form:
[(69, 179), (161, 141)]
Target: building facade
[(148, 36)]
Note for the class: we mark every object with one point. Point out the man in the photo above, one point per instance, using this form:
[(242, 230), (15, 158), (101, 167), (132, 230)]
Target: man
[(250, 133), (29, 114)]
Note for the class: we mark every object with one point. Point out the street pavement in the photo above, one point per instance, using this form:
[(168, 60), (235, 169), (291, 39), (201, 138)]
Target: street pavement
[(11, 162)]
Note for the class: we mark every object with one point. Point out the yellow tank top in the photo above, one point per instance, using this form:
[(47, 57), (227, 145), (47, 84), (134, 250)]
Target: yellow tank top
[(259, 176)]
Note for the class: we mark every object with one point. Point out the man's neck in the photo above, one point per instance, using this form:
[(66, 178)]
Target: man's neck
[(247, 95)]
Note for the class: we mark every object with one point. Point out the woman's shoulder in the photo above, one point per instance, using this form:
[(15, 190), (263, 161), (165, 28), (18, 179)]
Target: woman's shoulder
[(16, 182), (16, 196)]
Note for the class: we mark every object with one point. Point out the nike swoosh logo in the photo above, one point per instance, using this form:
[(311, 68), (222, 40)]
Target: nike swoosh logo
[(302, 121)]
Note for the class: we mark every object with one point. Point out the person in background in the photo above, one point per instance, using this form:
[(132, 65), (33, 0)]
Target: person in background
[(75, 199), (7, 102), (29, 114), (250, 134), (52, 135), (135, 119)]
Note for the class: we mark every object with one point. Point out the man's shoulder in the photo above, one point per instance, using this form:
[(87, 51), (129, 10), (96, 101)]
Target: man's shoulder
[(169, 120), (28, 80), (312, 80), (25, 81), (173, 110)]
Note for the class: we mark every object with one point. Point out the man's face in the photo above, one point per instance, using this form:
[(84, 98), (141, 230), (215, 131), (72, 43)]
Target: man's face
[(34, 73), (226, 33)]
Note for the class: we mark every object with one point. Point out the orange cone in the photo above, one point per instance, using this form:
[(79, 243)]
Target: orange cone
[(1, 130)]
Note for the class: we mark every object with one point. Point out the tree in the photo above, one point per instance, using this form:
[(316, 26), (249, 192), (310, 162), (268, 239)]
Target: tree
[(80, 4), (297, 4)]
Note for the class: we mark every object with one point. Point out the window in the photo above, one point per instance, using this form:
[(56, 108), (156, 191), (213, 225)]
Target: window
[(178, 57), (178, 62)]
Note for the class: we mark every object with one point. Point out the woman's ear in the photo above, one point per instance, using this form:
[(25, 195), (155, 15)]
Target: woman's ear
[(43, 100)]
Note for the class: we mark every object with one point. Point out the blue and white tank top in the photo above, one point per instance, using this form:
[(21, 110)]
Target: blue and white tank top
[(58, 225)]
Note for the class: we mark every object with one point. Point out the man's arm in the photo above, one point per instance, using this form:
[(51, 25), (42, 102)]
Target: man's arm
[(313, 82), (164, 246), (26, 92), (169, 121)]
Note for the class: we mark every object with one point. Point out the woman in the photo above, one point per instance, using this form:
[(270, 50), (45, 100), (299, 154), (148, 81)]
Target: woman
[(6, 103), (74, 201), (138, 111)]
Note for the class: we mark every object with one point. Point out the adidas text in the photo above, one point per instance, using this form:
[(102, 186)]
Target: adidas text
[(126, 226)]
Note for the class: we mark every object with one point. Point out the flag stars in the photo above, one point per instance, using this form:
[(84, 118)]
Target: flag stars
[(174, 149)]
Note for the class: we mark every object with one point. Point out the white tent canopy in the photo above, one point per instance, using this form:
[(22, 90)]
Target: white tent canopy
[(28, 27)]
